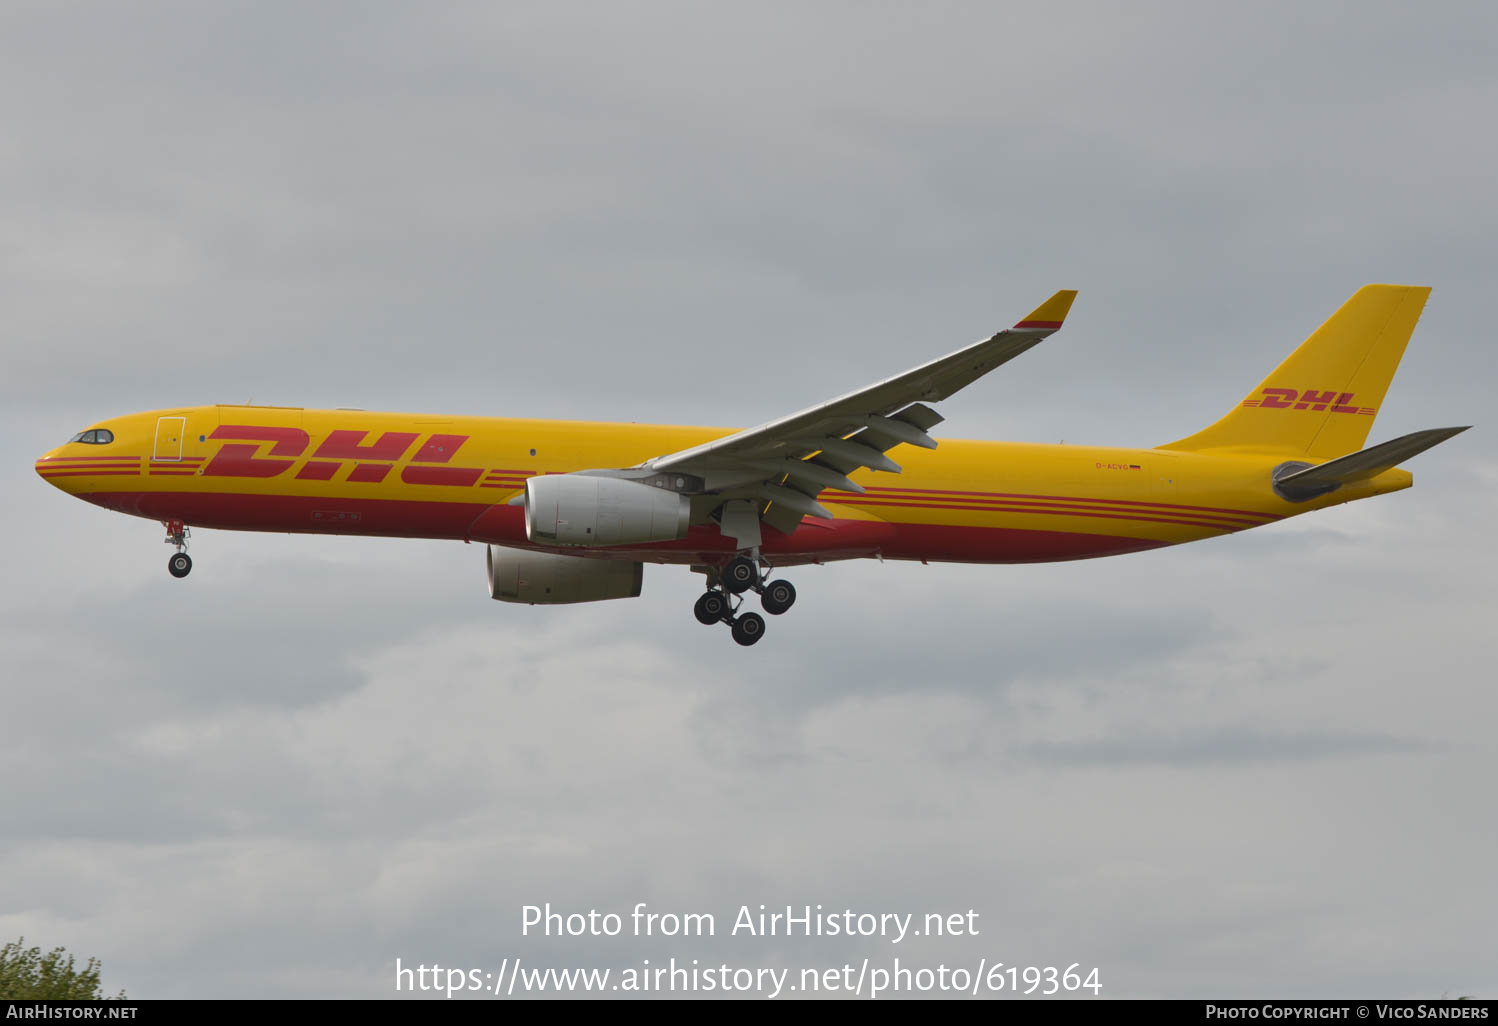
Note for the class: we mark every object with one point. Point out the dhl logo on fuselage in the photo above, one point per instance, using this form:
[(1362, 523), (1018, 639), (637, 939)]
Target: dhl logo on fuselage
[(240, 455), (1309, 399)]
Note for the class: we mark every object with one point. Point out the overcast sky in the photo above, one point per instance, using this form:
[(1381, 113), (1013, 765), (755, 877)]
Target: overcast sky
[(1256, 765)]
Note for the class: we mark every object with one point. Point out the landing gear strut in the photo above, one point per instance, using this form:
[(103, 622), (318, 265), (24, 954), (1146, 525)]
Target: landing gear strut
[(180, 563), (724, 596)]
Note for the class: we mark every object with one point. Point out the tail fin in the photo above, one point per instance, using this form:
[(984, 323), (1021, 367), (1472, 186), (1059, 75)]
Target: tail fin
[(1322, 400)]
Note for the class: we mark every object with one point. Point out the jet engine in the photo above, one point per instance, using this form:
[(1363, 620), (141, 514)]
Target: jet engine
[(546, 579), (584, 509)]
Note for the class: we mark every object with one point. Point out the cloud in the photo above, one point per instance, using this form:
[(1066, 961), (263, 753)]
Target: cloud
[(1225, 746)]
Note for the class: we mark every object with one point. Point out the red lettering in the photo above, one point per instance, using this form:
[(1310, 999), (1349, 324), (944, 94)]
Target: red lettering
[(463, 476), (369, 473), (241, 461), (316, 470), (1341, 404), (289, 441), (441, 449), (1279, 398), (344, 445), (1315, 400)]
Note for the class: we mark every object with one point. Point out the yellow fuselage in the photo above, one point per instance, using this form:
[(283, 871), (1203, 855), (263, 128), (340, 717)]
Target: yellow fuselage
[(412, 475)]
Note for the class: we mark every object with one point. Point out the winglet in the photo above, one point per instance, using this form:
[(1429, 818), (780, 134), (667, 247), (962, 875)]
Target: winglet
[(1049, 315)]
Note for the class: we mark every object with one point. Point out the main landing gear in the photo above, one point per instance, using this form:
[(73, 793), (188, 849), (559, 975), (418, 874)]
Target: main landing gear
[(180, 563), (725, 594)]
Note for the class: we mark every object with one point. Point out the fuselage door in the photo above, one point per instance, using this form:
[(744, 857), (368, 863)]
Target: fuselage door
[(169, 431)]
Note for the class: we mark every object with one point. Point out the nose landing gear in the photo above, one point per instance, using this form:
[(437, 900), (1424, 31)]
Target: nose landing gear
[(724, 596), (180, 563)]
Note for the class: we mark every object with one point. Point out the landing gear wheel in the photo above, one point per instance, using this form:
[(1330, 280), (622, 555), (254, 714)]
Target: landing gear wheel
[(739, 576), (711, 608), (777, 597), (749, 628), (179, 565)]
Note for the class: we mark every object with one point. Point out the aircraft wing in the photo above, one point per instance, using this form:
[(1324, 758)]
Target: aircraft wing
[(785, 463)]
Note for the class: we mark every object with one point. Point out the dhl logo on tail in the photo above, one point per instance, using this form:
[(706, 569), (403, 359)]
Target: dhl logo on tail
[(1310, 399)]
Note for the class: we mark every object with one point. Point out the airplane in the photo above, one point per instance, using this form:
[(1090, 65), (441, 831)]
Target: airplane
[(570, 511)]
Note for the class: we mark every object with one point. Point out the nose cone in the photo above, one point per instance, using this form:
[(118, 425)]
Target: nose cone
[(98, 461), (49, 467)]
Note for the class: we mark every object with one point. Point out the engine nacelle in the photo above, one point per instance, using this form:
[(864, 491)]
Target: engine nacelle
[(545, 579), (583, 509)]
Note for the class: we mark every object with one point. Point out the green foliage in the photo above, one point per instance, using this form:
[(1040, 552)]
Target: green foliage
[(27, 975)]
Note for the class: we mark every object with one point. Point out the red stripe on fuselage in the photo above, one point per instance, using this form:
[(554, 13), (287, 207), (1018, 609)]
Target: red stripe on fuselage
[(92, 473), (87, 468), (1021, 506), (916, 493), (946, 543), (394, 518), (1039, 511), (505, 525), (91, 459)]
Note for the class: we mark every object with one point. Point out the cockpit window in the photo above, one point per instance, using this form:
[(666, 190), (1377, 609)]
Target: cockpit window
[(96, 436)]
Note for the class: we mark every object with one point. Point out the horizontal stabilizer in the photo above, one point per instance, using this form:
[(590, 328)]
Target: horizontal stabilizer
[(1299, 483)]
